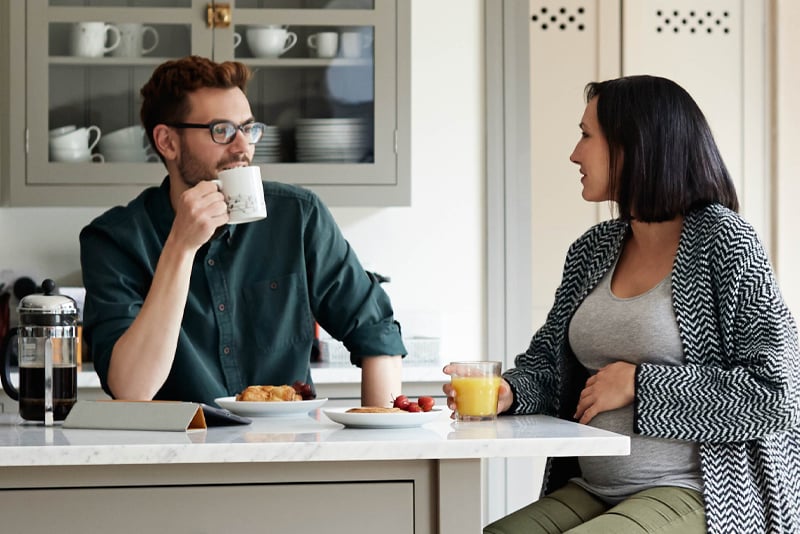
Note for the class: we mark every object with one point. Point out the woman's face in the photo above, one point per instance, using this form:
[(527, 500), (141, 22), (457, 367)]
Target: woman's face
[(591, 155)]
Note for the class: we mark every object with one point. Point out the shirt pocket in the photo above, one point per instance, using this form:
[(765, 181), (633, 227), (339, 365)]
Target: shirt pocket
[(277, 311)]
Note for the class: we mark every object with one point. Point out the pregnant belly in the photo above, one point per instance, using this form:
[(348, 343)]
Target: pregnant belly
[(651, 459)]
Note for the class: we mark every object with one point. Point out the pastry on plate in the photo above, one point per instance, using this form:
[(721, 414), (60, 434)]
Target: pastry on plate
[(269, 394)]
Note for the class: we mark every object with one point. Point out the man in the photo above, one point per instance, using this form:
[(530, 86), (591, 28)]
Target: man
[(182, 306)]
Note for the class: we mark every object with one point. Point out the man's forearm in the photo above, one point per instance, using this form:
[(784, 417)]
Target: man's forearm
[(142, 357), (381, 380)]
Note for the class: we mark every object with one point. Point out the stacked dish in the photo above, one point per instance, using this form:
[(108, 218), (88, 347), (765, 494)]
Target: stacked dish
[(332, 140), (268, 150)]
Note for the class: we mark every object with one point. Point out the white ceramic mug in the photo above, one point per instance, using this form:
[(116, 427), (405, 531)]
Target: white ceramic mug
[(244, 193), (353, 43), (269, 41), (324, 44), (88, 39), (77, 139), (132, 37)]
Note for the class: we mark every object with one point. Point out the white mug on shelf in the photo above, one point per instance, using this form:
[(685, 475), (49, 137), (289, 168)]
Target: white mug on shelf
[(353, 43), (88, 39), (270, 41), (132, 38), (244, 193), (324, 44), (77, 139)]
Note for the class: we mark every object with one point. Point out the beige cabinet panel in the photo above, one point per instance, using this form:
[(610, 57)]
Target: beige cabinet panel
[(571, 43), (334, 507)]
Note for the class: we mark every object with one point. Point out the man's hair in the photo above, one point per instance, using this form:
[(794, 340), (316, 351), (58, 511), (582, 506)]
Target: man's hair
[(165, 95), (670, 162)]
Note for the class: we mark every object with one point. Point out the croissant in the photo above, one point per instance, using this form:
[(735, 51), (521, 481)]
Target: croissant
[(268, 394)]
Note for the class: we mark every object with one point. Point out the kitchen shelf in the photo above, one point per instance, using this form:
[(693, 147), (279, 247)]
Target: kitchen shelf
[(58, 89)]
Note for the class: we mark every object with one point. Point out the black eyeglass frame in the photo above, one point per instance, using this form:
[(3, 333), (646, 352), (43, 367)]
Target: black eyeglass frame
[(211, 125)]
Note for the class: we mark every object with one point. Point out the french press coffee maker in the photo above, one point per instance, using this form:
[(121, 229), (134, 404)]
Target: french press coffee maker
[(47, 346)]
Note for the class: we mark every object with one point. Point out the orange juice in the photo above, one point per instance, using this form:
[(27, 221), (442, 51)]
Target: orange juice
[(476, 396)]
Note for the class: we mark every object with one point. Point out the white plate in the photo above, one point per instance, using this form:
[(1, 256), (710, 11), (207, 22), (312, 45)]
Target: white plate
[(269, 409), (382, 420)]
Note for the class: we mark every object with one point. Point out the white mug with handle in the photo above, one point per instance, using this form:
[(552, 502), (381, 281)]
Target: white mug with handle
[(325, 44), (133, 36), (88, 39), (244, 193)]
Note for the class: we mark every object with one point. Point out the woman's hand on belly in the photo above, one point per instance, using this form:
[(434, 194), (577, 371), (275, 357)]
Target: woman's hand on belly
[(608, 389)]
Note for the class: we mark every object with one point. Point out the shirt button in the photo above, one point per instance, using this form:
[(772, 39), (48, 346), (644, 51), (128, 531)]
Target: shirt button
[(273, 285), (221, 307), (226, 350), (211, 262)]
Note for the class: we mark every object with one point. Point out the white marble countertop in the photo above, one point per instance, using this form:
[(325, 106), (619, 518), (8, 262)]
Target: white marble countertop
[(300, 439)]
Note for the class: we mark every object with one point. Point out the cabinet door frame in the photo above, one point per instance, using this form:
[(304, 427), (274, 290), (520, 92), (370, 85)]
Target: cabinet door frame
[(34, 181)]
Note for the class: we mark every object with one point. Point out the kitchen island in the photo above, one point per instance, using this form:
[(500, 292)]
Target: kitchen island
[(283, 474)]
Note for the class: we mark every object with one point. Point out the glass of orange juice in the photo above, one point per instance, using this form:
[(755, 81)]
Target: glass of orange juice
[(476, 385)]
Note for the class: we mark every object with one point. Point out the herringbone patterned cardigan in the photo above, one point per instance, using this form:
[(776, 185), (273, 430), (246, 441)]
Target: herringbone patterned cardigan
[(738, 394)]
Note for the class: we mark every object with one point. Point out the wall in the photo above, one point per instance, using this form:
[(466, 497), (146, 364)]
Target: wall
[(433, 250), (787, 158)]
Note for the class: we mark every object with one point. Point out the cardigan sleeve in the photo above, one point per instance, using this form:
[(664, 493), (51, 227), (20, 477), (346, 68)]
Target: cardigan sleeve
[(741, 378)]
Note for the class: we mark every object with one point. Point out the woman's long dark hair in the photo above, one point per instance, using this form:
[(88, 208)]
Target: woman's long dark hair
[(670, 162)]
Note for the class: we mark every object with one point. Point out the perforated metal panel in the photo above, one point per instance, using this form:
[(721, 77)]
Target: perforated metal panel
[(560, 17), (697, 43)]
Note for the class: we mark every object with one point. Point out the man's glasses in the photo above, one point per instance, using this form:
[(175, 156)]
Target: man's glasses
[(224, 132)]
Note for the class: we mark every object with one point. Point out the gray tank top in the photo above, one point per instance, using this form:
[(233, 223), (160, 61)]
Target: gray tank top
[(639, 329)]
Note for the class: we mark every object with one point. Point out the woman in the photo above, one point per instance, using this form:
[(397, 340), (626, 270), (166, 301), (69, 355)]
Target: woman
[(668, 326)]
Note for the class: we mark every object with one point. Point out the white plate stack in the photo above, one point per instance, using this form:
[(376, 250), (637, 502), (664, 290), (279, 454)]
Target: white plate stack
[(268, 149), (332, 140)]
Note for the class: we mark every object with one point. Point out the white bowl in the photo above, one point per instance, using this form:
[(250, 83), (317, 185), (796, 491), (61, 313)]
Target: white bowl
[(130, 137)]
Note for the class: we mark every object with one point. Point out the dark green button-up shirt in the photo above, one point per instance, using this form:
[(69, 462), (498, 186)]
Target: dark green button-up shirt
[(255, 291)]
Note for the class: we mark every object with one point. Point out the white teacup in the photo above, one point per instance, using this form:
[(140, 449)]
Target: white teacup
[(132, 37), (269, 41), (324, 44), (353, 44), (74, 155), (244, 193), (77, 139), (88, 39)]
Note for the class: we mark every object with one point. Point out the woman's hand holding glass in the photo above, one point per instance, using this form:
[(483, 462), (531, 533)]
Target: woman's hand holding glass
[(504, 398)]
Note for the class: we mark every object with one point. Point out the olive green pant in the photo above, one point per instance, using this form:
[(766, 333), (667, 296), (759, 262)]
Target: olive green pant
[(662, 510)]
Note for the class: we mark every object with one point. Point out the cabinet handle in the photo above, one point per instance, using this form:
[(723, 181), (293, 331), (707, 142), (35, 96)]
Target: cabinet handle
[(218, 15)]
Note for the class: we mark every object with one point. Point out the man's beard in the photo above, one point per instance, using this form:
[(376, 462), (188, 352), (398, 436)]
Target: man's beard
[(193, 171)]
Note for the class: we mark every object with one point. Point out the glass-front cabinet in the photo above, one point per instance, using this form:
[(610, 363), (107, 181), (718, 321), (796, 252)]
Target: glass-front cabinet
[(330, 80)]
